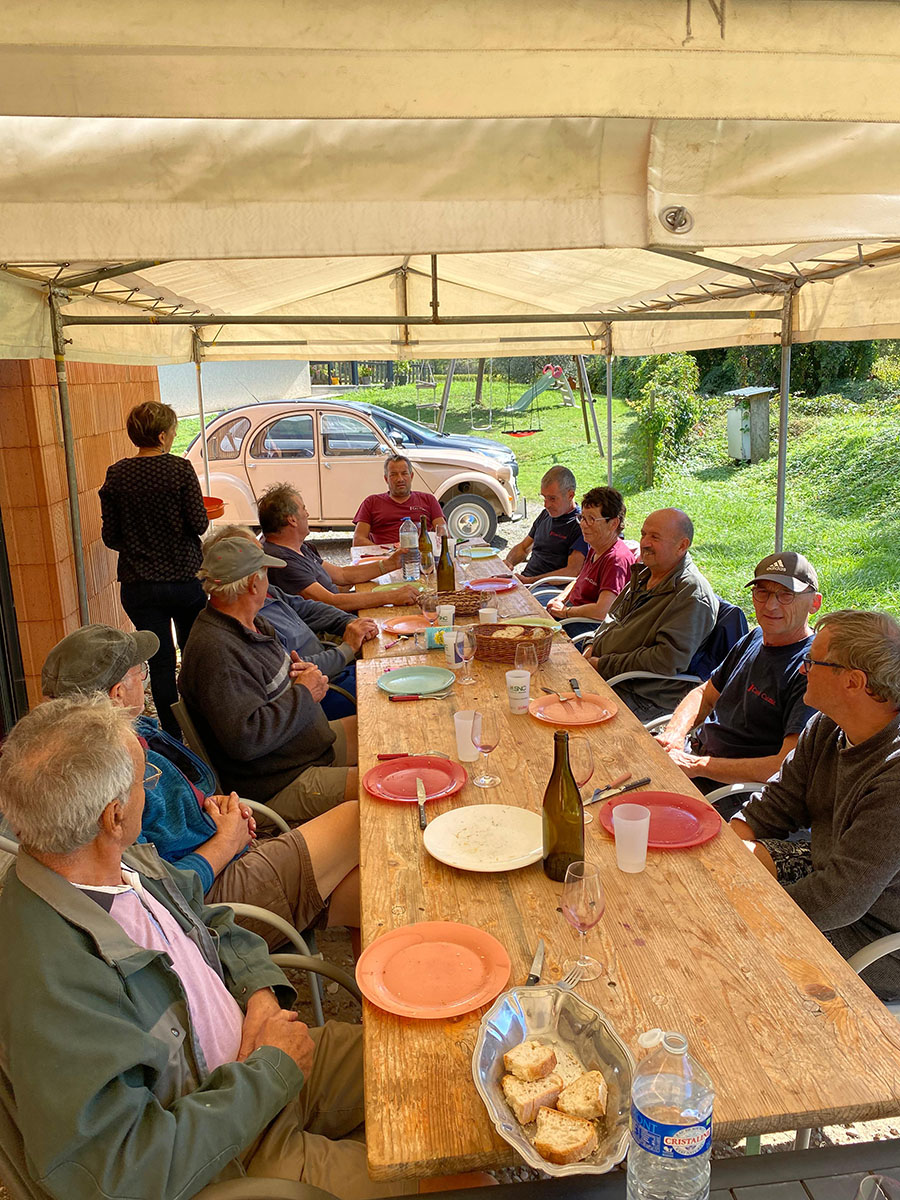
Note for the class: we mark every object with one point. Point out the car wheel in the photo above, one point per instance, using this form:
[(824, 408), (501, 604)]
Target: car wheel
[(470, 517)]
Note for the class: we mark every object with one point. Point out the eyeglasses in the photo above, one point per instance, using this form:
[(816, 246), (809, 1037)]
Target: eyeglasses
[(152, 776), (145, 671), (590, 522), (761, 595), (808, 661)]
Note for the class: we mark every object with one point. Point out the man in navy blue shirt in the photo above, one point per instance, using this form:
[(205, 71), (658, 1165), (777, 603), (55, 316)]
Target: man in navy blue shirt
[(554, 545), (751, 710)]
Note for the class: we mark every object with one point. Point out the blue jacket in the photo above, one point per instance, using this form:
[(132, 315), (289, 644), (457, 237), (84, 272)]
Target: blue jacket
[(173, 819), (296, 622)]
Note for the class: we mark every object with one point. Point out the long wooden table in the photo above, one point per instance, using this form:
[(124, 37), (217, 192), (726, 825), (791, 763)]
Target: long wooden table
[(703, 941)]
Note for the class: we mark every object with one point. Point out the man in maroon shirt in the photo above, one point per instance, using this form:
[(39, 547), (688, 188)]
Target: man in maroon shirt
[(380, 516)]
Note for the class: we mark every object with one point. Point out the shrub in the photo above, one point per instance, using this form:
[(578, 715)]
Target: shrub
[(668, 407)]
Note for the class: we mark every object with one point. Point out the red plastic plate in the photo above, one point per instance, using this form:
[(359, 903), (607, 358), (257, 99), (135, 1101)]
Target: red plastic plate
[(676, 822), (396, 779)]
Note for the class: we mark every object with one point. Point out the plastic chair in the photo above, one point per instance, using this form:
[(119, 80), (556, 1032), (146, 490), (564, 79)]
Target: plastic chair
[(880, 948)]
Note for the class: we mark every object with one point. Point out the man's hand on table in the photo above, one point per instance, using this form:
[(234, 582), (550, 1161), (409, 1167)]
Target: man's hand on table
[(363, 629), (556, 608), (233, 821), (694, 765), (308, 676), (588, 653), (393, 563), (401, 595)]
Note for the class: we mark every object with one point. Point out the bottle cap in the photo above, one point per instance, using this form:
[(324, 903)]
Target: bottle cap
[(650, 1038)]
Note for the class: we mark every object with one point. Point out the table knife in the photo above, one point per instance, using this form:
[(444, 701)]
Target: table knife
[(406, 754), (608, 793), (420, 793), (576, 687), (537, 965)]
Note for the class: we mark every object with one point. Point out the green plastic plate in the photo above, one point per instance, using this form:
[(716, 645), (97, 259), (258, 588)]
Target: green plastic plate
[(418, 584), (415, 681)]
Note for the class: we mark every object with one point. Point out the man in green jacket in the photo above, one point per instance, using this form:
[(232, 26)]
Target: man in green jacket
[(659, 619), (148, 1040)]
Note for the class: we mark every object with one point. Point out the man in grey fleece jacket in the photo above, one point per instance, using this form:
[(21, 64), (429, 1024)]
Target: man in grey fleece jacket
[(842, 782), (659, 619)]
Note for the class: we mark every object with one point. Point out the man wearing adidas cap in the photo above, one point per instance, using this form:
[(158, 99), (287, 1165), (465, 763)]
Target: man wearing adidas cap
[(751, 710)]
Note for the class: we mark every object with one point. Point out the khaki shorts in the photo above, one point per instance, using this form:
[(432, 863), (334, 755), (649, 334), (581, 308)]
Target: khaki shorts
[(317, 789), (308, 1140), (276, 874)]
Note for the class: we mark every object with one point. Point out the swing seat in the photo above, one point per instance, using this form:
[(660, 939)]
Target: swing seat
[(521, 432)]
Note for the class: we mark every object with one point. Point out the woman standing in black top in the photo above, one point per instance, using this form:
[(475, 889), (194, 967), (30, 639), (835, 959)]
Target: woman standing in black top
[(153, 514)]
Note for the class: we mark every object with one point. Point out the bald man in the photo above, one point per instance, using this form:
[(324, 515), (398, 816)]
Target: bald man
[(659, 619)]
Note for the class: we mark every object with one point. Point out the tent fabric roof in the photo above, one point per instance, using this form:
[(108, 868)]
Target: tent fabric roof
[(807, 60), (306, 161)]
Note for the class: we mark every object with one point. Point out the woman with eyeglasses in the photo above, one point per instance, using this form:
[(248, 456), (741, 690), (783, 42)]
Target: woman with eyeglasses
[(608, 565)]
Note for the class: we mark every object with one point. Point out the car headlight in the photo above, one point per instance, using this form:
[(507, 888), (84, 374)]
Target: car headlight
[(504, 474)]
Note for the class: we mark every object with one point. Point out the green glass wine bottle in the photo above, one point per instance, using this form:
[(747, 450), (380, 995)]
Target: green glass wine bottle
[(446, 572), (426, 551), (563, 814)]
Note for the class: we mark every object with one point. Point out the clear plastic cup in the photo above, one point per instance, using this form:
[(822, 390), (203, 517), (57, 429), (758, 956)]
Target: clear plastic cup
[(631, 826), (465, 747), (453, 648), (488, 616), (518, 690), (445, 614)]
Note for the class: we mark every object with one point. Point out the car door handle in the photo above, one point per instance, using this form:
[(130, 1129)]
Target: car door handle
[(327, 466)]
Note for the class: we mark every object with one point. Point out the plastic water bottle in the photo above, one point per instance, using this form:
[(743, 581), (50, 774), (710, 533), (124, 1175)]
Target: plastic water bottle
[(671, 1119), (409, 550)]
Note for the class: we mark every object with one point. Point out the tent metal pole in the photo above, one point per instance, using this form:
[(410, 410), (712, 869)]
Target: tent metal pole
[(445, 395), (586, 386), (607, 350), (62, 387), (197, 355), (787, 324)]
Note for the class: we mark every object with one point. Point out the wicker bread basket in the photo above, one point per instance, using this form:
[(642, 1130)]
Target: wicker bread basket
[(465, 602), (490, 648)]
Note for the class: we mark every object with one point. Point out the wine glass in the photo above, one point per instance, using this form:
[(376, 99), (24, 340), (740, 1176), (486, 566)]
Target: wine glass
[(428, 603), (485, 737), (468, 645), (583, 904), (581, 760), (526, 658)]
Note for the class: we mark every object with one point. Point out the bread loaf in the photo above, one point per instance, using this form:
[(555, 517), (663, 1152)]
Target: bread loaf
[(563, 1139), (530, 1060), (525, 1097), (585, 1098)]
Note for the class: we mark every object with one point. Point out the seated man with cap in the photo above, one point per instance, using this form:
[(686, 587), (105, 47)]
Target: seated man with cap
[(751, 711), (255, 706), (303, 877), (297, 621)]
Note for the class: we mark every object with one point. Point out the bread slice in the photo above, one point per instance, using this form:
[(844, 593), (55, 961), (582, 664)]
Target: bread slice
[(563, 1139), (585, 1098), (530, 1060), (525, 1097)]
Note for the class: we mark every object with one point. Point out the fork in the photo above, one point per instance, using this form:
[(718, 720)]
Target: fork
[(569, 980), (562, 699)]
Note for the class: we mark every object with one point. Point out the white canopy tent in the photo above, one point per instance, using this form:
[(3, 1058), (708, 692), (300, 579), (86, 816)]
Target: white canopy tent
[(413, 181)]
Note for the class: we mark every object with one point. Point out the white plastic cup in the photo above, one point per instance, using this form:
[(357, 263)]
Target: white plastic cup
[(453, 648), (488, 616), (631, 826), (518, 690), (465, 747), (445, 614)]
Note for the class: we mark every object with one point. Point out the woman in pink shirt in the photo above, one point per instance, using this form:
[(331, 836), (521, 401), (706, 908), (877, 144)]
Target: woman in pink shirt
[(608, 565)]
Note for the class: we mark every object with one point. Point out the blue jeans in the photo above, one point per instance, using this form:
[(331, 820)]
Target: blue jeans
[(334, 705), (156, 605)]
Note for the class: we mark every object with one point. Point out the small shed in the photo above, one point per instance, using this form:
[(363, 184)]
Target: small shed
[(748, 423)]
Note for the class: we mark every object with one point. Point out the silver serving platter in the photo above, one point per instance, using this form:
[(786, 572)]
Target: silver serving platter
[(583, 1039)]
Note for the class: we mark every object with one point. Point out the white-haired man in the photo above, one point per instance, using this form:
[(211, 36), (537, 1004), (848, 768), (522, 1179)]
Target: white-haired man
[(842, 783), (148, 1040), (307, 877), (256, 707)]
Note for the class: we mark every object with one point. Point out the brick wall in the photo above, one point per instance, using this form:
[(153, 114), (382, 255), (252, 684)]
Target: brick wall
[(34, 493)]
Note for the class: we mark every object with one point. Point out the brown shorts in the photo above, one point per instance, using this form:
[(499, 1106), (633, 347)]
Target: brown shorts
[(316, 789), (276, 874)]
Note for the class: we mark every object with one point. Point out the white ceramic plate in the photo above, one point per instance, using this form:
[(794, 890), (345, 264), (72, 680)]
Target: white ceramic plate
[(486, 837)]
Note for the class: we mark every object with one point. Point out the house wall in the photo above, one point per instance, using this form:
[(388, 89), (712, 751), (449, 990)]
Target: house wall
[(34, 493)]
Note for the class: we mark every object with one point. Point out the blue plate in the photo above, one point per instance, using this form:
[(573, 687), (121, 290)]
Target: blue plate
[(415, 681)]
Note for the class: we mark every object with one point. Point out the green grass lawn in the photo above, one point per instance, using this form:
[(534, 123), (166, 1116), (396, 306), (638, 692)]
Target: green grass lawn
[(843, 495)]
